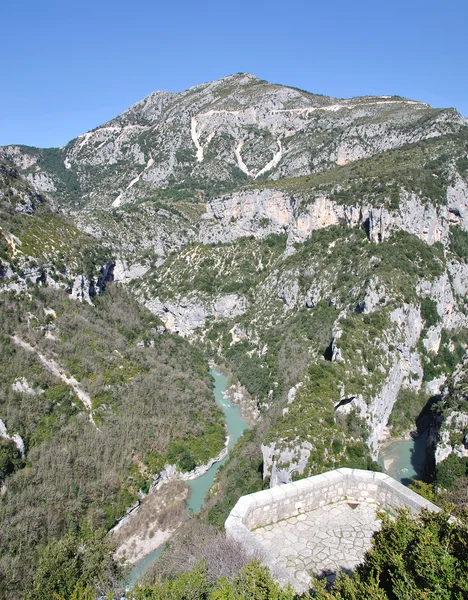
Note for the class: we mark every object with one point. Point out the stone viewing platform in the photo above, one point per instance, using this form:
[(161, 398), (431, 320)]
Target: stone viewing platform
[(321, 525)]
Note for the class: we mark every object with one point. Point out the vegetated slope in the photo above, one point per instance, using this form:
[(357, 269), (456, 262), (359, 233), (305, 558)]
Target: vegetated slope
[(37, 246), (449, 434), (347, 299), (95, 398), (335, 296), (151, 404), (141, 235), (211, 138)]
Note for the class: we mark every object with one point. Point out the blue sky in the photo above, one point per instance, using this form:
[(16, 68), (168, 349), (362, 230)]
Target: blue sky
[(69, 66)]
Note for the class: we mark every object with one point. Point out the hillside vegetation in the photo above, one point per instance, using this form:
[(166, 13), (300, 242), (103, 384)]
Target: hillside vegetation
[(314, 248), (151, 404)]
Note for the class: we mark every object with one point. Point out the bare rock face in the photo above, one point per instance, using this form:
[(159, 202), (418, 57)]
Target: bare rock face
[(124, 273), (22, 386), (237, 129), (14, 191), (458, 273), (456, 422), (42, 182), (281, 463), (80, 289), (188, 314), (404, 370), (449, 432), (260, 213)]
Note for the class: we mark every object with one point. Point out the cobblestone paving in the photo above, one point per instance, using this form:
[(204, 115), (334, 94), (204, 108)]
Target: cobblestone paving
[(324, 541)]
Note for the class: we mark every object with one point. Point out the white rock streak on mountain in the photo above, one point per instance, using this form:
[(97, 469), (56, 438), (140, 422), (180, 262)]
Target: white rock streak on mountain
[(195, 139), (273, 162), (117, 202), (336, 107)]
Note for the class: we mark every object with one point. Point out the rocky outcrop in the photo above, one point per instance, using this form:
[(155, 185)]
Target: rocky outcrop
[(260, 213), (22, 386), (449, 429), (15, 192), (280, 463), (452, 437), (188, 314), (458, 274), (124, 273), (85, 288), (15, 438), (406, 368)]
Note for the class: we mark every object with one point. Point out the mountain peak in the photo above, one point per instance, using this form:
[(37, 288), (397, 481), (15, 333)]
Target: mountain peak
[(223, 133)]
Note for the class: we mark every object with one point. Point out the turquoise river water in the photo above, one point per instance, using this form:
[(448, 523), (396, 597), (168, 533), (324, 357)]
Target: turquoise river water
[(405, 459), (200, 486)]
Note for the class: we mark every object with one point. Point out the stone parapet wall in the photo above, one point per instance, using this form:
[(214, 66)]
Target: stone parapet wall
[(285, 501)]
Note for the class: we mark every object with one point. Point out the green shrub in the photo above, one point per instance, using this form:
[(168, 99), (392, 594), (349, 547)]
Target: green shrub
[(459, 242), (411, 558), (450, 470), (10, 458), (406, 409), (429, 312), (71, 563)]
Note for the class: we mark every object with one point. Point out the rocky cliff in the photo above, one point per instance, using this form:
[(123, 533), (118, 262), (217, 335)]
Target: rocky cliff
[(37, 246), (367, 260)]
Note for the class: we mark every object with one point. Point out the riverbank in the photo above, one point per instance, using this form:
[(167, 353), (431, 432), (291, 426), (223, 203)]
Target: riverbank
[(143, 546), (385, 458), (240, 397), (160, 513)]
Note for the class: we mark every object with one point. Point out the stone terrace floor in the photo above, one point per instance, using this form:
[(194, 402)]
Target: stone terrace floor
[(324, 541)]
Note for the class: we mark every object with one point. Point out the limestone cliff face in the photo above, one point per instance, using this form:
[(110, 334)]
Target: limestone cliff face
[(262, 212), (16, 193), (259, 213), (402, 368), (449, 431), (189, 314), (452, 437)]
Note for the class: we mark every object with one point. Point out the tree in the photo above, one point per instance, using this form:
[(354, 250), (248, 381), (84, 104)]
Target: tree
[(72, 566), (411, 558), (9, 458), (450, 470)]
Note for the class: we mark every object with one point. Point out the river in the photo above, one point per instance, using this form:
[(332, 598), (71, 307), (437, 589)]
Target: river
[(405, 459), (200, 486)]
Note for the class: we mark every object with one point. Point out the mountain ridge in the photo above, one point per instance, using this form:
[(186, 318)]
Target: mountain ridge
[(223, 133)]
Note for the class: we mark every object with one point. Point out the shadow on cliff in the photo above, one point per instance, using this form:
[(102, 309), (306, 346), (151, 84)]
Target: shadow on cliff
[(422, 454)]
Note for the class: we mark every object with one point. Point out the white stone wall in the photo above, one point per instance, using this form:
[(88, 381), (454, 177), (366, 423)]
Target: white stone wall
[(281, 502)]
